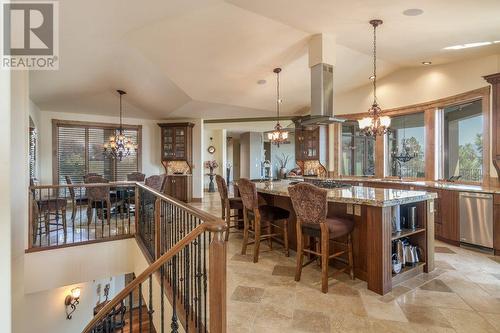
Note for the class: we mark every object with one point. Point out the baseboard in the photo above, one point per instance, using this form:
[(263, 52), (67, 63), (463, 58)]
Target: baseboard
[(196, 200)]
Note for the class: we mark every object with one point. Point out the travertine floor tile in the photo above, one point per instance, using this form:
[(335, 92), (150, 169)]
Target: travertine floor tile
[(310, 321), (248, 294), (466, 321)]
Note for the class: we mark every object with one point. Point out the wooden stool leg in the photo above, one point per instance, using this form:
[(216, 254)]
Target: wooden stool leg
[(245, 233), (285, 237), (227, 217), (325, 253), (63, 212), (257, 230), (351, 262), (300, 256), (270, 239), (89, 214)]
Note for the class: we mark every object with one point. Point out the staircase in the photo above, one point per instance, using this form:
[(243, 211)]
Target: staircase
[(184, 287)]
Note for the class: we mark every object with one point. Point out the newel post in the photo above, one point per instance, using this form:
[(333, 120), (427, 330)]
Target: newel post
[(217, 279)]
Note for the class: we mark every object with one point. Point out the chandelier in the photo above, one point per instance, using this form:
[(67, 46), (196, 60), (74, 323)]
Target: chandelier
[(118, 145), (278, 135), (375, 124)]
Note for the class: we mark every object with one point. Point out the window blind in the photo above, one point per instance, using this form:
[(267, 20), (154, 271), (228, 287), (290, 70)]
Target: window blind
[(32, 152), (80, 151)]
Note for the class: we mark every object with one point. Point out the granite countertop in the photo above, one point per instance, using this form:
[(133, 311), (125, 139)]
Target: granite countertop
[(361, 195), (422, 183)]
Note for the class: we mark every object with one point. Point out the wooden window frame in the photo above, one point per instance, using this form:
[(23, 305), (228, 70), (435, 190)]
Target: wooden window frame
[(365, 156), (56, 123), (429, 109)]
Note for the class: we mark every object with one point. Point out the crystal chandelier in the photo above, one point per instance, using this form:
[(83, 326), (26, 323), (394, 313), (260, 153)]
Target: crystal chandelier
[(375, 124), (118, 145), (278, 135)]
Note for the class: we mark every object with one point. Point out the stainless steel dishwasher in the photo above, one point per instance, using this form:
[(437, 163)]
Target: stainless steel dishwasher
[(476, 218)]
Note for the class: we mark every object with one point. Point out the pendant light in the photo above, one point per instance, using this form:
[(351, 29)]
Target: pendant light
[(278, 135), (375, 124), (119, 146), (404, 155)]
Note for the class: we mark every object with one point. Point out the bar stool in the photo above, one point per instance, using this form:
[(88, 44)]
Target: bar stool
[(258, 217), (311, 208), (228, 204)]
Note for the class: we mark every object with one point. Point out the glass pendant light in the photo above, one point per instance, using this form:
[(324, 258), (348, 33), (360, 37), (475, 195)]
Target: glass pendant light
[(118, 145), (375, 124), (278, 135)]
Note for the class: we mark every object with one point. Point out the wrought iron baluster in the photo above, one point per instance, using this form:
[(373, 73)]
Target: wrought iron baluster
[(130, 309), (140, 307), (150, 310), (174, 325)]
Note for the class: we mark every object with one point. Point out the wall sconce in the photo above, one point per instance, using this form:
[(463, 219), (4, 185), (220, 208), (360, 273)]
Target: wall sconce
[(71, 301)]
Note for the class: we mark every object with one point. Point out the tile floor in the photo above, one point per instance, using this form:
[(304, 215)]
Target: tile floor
[(461, 295)]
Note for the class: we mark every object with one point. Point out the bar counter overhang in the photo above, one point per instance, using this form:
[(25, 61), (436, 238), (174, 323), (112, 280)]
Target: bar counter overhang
[(371, 211)]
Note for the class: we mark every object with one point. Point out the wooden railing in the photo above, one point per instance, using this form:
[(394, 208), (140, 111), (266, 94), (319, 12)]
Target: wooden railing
[(74, 214), (187, 252)]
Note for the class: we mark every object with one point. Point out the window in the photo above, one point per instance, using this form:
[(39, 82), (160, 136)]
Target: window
[(79, 151), (358, 152), (409, 131), (463, 141), (32, 150)]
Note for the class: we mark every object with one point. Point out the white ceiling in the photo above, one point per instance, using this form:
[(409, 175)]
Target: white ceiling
[(202, 58)]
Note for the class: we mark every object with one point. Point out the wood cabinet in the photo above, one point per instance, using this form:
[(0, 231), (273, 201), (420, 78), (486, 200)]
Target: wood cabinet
[(312, 144), (179, 187), (177, 142), (496, 224), (494, 80)]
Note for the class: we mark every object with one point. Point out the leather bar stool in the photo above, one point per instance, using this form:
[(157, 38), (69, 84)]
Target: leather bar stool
[(311, 208), (228, 204), (261, 217)]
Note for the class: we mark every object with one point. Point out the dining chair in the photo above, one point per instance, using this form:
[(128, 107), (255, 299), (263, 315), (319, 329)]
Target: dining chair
[(49, 206), (98, 199), (136, 177), (156, 182), (311, 208), (228, 204), (258, 217), (80, 200)]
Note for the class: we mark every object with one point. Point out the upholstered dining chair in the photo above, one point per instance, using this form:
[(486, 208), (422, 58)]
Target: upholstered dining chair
[(80, 200), (136, 177), (98, 199), (228, 204), (311, 208), (156, 182), (48, 206), (257, 218)]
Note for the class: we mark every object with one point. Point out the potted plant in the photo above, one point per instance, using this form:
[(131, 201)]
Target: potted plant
[(282, 162)]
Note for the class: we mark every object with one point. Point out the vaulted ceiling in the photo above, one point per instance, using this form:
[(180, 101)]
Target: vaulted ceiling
[(203, 58)]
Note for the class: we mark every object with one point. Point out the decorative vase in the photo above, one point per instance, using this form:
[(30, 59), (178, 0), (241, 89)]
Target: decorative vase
[(282, 173), (211, 185)]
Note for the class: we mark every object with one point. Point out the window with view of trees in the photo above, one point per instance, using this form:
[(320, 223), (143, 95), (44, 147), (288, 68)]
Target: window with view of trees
[(463, 141), (79, 150), (358, 152), (411, 130)]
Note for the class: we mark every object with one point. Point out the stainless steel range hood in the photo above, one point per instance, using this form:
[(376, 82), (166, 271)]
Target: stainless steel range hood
[(321, 97)]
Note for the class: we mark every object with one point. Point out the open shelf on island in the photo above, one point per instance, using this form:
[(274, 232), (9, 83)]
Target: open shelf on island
[(407, 272), (406, 233)]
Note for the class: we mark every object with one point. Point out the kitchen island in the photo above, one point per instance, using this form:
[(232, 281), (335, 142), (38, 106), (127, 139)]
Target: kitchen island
[(372, 210)]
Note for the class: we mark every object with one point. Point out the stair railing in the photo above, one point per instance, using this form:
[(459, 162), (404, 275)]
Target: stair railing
[(187, 254)]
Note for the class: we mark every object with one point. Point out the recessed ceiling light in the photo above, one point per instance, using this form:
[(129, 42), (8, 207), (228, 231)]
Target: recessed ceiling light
[(372, 77), (413, 12), (261, 82), (426, 62), (467, 45)]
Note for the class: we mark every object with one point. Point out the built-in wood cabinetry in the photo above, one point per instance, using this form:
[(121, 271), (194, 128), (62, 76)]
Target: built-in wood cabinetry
[(179, 187), (496, 224), (177, 146), (177, 142), (311, 144), (494, 80)]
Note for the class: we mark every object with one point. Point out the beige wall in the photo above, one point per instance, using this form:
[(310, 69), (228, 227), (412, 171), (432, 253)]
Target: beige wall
[(219, 142), (5, 203)]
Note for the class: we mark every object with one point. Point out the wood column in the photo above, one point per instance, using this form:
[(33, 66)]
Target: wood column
[(379, 270), (430, 144), (380, 144), (494, 80)]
